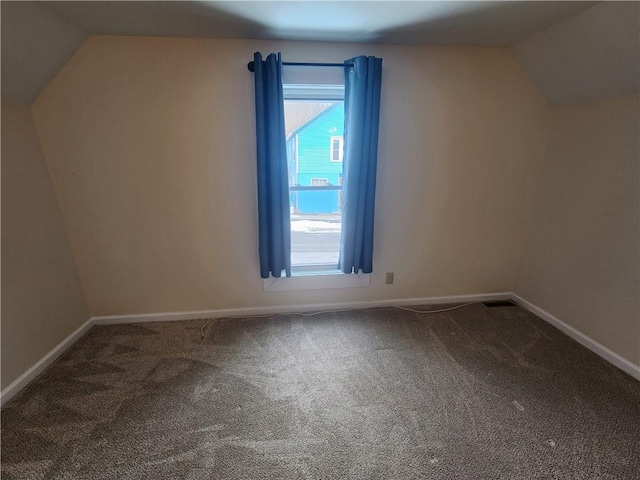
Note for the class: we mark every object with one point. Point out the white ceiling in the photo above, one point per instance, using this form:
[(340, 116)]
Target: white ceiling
[(408, 22), (39, 37)]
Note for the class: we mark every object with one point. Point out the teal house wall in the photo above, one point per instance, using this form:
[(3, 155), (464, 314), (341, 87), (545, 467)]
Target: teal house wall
[(309, 157)]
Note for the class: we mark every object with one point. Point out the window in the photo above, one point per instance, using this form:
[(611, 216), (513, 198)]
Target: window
[(285, 178), (282, 193), (336, 149), (314, 124)]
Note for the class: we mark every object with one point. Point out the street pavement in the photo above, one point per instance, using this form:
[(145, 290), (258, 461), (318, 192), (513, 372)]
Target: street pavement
[(315, 239)]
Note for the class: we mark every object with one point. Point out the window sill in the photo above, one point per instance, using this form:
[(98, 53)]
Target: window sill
[(316, 279)]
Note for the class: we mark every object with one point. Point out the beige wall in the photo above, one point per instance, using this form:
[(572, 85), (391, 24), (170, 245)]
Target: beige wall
[(42, 299), (150, 143), (582, 255)]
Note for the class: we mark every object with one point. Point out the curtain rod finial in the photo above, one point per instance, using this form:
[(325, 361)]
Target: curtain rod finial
[(250, 66)]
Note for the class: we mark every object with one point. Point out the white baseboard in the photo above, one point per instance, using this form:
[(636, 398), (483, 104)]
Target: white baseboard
[(246, 312), (597, 348), (23, 380), (11, 390)]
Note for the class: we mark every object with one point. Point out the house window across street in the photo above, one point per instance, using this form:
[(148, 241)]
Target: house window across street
[(336, 149), (319, 182)]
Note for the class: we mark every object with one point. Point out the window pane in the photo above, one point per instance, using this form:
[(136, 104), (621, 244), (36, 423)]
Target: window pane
[(314, 154), (315, 237)]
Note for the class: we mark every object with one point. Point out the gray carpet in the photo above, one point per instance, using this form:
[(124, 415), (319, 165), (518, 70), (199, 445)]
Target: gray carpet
[(490, 393)]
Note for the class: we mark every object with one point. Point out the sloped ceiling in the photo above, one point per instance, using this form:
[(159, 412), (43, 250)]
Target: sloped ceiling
[(592, 55), (35, 45), (39, 37)]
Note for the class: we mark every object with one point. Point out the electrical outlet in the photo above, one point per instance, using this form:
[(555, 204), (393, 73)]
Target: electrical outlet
[(389, 279)]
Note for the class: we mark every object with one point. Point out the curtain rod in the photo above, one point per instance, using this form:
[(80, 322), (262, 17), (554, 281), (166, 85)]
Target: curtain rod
[(306, 64)]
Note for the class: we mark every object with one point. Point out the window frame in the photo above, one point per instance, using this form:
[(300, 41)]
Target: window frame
[(322, 94), (322, 276)]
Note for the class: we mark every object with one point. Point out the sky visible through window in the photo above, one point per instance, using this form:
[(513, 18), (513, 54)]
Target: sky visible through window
[(314, 135)]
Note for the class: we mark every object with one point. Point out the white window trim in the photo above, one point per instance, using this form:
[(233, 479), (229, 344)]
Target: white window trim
[(318, 279), (313, 92), (340, 139)]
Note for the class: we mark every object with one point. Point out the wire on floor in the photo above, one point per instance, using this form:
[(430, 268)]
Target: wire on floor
[(313, 314)]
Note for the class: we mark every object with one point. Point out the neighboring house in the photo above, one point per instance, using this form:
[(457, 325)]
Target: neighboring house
[(314, 155)]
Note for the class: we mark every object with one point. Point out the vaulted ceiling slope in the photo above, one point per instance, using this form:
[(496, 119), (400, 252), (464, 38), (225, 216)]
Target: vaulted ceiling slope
[(35, 45), (592, 55), (39, 37)]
